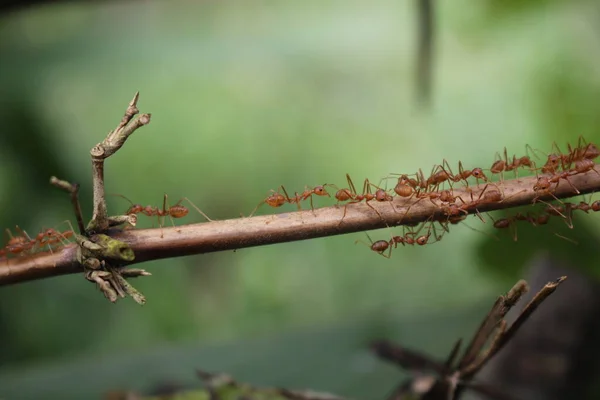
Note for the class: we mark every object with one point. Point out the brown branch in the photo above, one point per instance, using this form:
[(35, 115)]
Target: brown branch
[(152, 244)]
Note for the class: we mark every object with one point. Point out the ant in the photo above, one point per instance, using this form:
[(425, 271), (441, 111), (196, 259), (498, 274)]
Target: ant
[(463, 174), (404, 188), (275, 199), (408, 238), (485, 197), (583, 166), (543, 182), (17, 244), (175, 211), (351, 194), (585, 207), (583, 151), (442, 175), (501, 165), (379, 246), (308, 194), (50, 237), (510, 222)]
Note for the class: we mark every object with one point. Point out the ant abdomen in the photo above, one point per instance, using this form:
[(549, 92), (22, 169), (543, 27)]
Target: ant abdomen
[(178, 211)]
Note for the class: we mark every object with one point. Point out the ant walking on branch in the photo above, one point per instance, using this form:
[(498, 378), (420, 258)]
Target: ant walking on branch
[(22, 243), (175, 211), (276, 199), (501, 165), (350, 193)]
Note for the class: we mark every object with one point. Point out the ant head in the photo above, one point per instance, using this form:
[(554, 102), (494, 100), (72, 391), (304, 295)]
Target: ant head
[(320, 191), (478, 174), (554, 159), (381, 195), (50, 232), (422, 240), (591, 151)]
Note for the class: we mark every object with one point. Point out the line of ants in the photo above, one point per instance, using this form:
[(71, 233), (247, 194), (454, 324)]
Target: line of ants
[(565, 211), (578, 160), (22, 243), (558, 166)]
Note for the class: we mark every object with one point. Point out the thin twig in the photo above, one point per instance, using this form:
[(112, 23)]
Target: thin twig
[(499, 310), (109, 146), (73, 189), (232, 234)]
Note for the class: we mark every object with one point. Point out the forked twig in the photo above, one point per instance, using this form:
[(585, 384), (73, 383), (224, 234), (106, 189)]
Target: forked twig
[(448, 381)]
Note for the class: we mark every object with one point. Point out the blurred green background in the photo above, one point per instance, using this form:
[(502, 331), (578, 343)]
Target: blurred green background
[(246, 96)]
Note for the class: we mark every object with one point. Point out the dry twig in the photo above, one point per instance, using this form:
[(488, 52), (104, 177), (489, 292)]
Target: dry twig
[(449, 382)]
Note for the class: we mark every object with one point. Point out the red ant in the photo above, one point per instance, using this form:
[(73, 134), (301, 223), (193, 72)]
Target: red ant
[(583, 166), (50, 237), (463, 175), (175, 211), (275, 199), (476, 173), (17, 244), (585, 207), (510, 222), (501, 165), (380, 246), (583, 151), (543, 182), (308, 194), (351, 194), (22, 243), (439, 177)]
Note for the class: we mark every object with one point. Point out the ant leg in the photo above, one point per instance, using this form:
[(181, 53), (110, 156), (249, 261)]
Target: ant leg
[(350, 184), (570, 183), (533, 166), (569, 211), (344, 214), (195, 208), (410, 206), (373, 208), (256, 208)]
